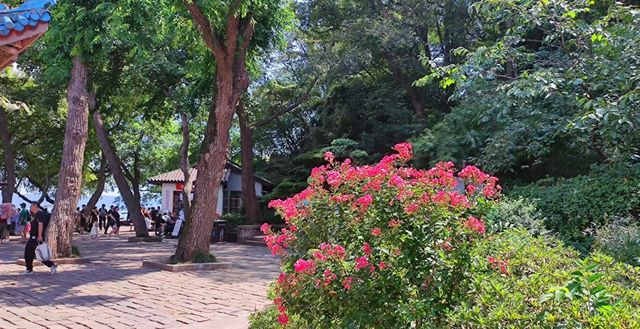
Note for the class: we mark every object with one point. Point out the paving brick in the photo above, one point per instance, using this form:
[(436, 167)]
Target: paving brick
[(113, 292)]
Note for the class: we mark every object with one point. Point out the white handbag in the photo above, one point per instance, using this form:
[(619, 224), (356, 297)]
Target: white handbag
[(43, 252)]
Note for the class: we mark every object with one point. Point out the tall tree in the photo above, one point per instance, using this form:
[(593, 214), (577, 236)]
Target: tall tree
[(228, 38), (249, 198), (72, 45), (70, 176)]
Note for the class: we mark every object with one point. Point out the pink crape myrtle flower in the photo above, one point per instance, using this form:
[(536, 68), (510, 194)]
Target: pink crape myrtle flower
[(405, 151), (346, 283), (333, 178), (366, 249), (283, 318), (364, 201), (362, 262), (304, 266), (376, 231), (329, 157), (475, 225)]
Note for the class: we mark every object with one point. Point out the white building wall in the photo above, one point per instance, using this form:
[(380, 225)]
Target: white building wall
[(220, 198), (235, 182), (167, 196)]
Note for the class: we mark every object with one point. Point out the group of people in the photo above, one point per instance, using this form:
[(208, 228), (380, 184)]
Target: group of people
[(163, 223), (98, 219), (15, 220)]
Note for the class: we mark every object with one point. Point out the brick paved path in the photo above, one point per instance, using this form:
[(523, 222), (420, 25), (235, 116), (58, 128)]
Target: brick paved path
[(114, 292)]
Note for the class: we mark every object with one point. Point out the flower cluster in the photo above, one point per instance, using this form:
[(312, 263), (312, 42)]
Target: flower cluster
[(364, 229), (498, 264), (475, 225)]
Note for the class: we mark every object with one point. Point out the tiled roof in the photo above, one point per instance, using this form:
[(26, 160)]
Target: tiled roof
[(176, 176), (29, 14), (22, 26)]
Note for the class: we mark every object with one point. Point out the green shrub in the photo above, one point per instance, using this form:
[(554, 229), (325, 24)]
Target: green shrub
[(573, 206), (204, 257), (234, 218), (621, 240), (380, 246), (545, 287), (514, 213)]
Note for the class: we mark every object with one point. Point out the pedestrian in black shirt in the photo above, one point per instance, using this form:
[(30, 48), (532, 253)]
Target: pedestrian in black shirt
[(39, 226), (114, 221), (102, 215)]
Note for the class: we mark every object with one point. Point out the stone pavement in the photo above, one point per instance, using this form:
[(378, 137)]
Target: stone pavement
[(115, 292)]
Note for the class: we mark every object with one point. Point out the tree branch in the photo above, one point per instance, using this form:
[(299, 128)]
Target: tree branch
[(204, 26), (289, 108)]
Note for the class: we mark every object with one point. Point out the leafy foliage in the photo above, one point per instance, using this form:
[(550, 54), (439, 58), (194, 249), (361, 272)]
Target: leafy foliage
[(620, 238), (546, 287), (516, 213), (550, 82), (574, 206)]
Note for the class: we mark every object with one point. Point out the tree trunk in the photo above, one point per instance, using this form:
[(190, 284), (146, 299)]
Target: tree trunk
[(249, 199), (414, 94), (232, 80), (63, 216), (135, 183), (118, 175), (194, 241), (9, 160), (102, 179)]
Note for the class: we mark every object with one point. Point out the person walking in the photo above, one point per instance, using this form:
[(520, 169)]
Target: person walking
[(23, 219), (14, 220), (39, 226), (6, 213), (115, 215), (102, 218)]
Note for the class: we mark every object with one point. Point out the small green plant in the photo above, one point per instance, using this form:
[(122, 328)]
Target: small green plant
[(543, 286), (585, 286), (204, 257), (75, 251)]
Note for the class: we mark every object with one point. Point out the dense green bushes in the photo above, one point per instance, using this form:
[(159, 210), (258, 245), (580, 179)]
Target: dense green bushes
[(621, 240), (573, 207), (547, 287), (543, 285)]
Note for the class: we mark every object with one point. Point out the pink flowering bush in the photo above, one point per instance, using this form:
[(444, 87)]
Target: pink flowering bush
[(380, 246)]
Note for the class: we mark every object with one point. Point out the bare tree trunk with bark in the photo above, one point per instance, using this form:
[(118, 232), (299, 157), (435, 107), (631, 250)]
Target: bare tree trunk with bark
[(63, 216), (249, 198), (232, 80), (9, 160), (115, 165)]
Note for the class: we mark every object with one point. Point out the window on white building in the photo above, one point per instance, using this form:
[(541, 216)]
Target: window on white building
[(231, 202)]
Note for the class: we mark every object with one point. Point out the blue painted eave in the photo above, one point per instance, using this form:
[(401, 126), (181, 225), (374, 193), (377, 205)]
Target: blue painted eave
[(30, 13)]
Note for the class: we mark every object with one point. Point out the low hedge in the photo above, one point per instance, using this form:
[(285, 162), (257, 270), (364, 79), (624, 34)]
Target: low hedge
[(574, 207)]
